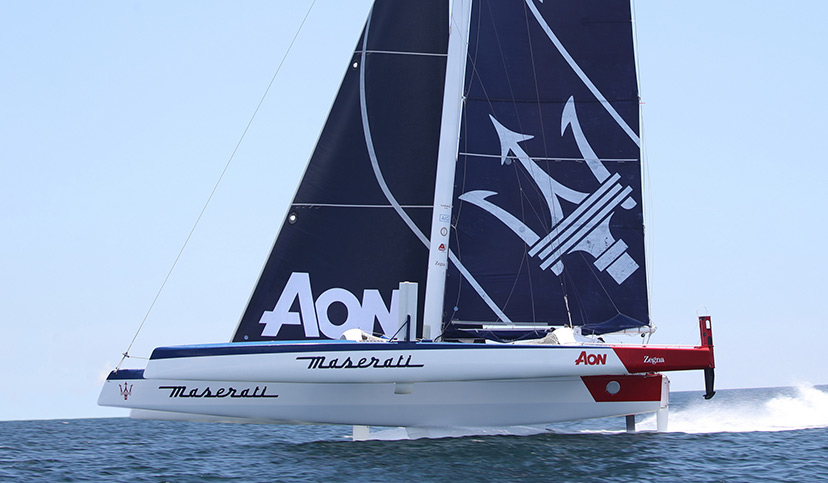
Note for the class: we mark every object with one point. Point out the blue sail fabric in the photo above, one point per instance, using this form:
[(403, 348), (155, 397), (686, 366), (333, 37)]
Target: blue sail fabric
[(547, 213), (359, 223)]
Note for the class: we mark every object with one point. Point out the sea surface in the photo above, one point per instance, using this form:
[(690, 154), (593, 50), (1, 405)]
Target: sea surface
[(750, 435)]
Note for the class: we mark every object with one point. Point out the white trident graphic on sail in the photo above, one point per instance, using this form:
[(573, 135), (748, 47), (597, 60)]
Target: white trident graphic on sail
[(586, 229)]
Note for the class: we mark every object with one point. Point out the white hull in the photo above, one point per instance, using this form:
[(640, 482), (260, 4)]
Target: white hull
[(428, 404), (415, 385), (376, 362)]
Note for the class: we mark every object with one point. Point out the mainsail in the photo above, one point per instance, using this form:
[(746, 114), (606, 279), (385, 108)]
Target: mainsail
[(547, 211), (546, 224), (359, 223)]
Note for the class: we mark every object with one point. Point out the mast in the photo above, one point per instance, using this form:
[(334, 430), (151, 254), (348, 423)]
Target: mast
[(446, 163)]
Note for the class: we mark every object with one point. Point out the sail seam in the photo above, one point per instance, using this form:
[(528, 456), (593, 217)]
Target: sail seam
[(535, 158), (582, 75), (345, 205), (369, 142), (400, 52)]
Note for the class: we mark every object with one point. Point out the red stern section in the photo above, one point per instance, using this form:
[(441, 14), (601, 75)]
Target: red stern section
[(643, 359), (643, 387)]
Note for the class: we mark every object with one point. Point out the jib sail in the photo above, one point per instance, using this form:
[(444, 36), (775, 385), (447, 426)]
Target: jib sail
[(359, 223)]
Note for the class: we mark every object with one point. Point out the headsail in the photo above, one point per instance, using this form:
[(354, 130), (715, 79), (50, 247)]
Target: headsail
[(547, 212), (359, 222)]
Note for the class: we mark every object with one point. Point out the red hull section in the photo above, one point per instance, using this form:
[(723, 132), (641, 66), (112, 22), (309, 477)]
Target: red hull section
[(637, 387), (642, 359)]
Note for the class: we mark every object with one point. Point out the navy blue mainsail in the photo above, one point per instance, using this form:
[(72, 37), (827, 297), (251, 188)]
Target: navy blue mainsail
[(546, 223), (547, 215), (359, 222)]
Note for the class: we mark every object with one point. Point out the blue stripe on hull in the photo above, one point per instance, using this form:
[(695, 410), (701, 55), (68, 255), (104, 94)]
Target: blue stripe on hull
[(237, 348), (125, 374)]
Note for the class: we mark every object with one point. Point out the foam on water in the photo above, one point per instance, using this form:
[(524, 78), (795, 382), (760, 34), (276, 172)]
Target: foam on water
[(801, 407), (752, 436), (396, 434)]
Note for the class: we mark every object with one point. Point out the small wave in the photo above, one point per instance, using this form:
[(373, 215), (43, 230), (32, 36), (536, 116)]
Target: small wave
[(398, 434), (736, 411), (801, 407)]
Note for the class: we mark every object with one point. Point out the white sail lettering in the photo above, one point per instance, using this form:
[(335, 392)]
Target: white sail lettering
[(353, 320), (373, 306), (298, 285), (313, 314)]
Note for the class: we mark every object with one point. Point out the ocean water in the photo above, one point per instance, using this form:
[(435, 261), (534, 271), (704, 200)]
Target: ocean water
[(778, 434)]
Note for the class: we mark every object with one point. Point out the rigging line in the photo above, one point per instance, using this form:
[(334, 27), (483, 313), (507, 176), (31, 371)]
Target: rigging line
[(535, 78), (457, 208), (459, 213), (582, 75), (647, 212), (369, 143), (568, 312), (505, 72), (538, 216), (646, 196), (591, 268), (579, 300), (635, 49), (215, 187), (488, 100), (556, 225), (523, 258), (470, 61), (473, 63), (372, 154), (511, 90)]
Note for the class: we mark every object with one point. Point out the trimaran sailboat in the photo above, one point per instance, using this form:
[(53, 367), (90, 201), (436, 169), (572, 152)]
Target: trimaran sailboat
[(468, 227)]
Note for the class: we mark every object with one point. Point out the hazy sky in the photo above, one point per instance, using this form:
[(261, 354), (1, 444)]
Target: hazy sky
[(118, 118)]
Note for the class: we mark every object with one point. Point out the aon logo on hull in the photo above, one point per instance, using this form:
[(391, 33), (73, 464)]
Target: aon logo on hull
[(313, 314), (591, 359)]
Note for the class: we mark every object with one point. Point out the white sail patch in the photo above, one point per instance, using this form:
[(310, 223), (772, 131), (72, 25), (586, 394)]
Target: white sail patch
[(313, 314)]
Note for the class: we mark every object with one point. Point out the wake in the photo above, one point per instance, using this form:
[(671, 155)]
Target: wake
[(804, 407), (398, 434), (736, 411)]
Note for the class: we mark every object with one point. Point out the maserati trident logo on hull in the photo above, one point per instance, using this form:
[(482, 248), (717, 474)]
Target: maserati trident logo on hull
[(585, 229), (126, 390)]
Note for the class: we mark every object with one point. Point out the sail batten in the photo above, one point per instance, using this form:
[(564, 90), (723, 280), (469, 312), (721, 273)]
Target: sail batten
[(554, 159), (398, 52), (345, 205)]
